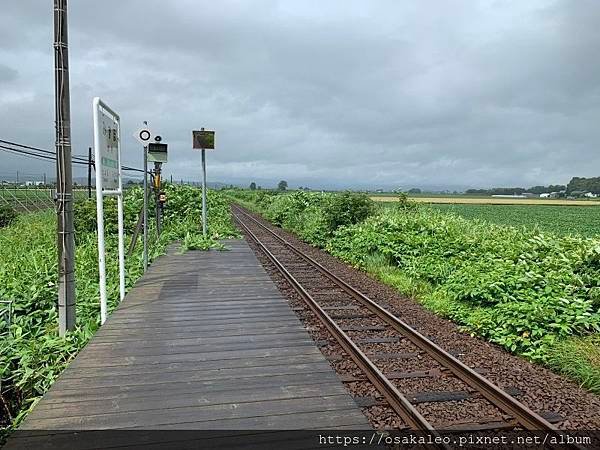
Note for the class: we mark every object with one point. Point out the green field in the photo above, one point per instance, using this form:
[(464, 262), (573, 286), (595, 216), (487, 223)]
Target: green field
[(563, 220)]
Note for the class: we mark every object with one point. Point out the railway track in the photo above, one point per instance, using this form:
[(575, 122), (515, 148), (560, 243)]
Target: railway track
[(375, 340)]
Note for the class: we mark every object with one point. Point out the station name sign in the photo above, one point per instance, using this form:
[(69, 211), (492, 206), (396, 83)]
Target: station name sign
[(203, 139)]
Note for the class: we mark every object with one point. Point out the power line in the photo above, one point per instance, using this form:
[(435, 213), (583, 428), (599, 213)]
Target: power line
[(37, 149), (52, 155), (23, 152), (16, 144)]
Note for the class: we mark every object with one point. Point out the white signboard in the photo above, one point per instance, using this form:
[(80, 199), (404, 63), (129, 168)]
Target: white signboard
[(109, 158), (107, 151)]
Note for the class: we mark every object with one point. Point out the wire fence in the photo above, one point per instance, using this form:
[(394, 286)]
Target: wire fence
[(30, 192), (27, 199)]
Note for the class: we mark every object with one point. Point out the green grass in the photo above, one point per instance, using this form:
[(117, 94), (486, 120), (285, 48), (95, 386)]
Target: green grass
[(579, 359), (562, 220)]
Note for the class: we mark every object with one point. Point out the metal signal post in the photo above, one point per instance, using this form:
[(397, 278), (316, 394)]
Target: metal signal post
[(203, 140), (157, 184), (153, 151), (145, 207), (203, 191), (64, 177)]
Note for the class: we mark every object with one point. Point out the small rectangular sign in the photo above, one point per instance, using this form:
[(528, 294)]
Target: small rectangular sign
[(157, 152), (204, 139)]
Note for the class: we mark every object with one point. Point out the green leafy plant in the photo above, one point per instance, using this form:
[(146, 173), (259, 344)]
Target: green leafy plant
[(197, 241), (313, 216)]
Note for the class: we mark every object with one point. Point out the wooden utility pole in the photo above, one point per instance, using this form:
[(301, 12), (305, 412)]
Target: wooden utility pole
[(64, 176)]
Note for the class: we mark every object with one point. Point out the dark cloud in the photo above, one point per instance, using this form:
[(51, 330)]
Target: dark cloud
[(460, 93)]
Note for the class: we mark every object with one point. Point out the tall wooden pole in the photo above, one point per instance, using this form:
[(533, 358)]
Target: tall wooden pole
[(64, 177)]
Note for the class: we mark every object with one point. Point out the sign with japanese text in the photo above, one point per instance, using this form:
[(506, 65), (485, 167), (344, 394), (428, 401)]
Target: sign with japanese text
[(108, 150)]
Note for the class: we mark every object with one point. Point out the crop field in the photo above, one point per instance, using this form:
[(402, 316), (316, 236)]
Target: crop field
[(480, 200), (563, 220), (537, 294), (568, 217)]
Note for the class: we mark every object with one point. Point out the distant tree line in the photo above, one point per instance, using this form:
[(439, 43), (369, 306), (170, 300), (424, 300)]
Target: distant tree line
[(584, 184), (517, 190)]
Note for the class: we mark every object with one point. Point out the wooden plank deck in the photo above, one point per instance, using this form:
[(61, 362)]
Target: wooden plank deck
[(204, 341)]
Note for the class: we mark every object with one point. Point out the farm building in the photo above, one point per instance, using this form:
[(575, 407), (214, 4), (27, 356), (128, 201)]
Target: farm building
[(579, 193)]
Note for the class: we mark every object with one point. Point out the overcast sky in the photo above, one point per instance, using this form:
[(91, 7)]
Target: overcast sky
[(456, 93)]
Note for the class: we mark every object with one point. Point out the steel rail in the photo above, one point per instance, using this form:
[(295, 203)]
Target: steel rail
[(525, 416), (395, 398)]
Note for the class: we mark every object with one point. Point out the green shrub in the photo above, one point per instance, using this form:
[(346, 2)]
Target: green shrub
[(529, 289), (347, 208), (312, 216)]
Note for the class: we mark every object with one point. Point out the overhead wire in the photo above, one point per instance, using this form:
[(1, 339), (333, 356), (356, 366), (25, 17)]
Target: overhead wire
[(23, 152), (49, 155)]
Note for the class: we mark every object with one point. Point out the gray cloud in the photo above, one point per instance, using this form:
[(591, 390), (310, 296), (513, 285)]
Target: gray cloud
[(7, 74), (344, 93)]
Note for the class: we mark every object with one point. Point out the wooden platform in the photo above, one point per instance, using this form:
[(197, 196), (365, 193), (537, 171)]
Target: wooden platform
[(205, 341)]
